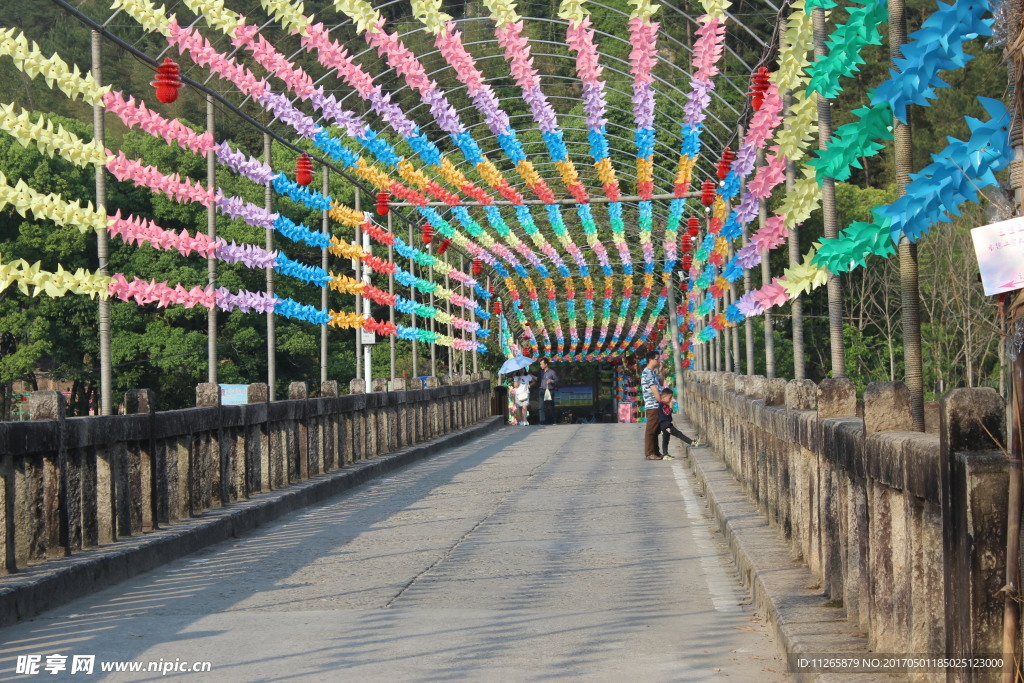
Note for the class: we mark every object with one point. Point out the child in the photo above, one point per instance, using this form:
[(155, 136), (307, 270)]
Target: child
[(665, 426)]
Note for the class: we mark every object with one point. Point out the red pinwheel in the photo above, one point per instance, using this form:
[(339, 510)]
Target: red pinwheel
[(383, 203), (725, 163), (707, 192), (303, 169), (758, 87), (167, 82)]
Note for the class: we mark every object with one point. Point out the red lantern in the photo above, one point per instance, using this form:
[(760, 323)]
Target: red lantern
[(167, 82), (490, 290), (687, 261), (497, 308), (687, 244), (443, 246), (650, 346), (661, 323), (478, 266), (303, 169), (428, 233), (383, 200), (707, 192), (693, 227), (758, 87), (725, 163)]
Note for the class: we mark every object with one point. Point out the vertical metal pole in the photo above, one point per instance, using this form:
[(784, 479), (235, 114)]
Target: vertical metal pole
[(462, 292), (211, 262), (367, 348), (735, 335), (268, 199), (910, 298), (796, 304), (391, 309), (412, 298), (748, 324), (102, 248), (326, 229), (452, 359), (828, 210), (718, 344), (766, 277), (357, 267), (673, 330), (433, 324), (476, 354)]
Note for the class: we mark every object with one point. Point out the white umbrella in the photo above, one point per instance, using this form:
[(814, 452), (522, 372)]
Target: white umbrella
[(513, 364)]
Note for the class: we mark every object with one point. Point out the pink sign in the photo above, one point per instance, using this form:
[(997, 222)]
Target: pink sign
[(1000, 251), (625, 412)]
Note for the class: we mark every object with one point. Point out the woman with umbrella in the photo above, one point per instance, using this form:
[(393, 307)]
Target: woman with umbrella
[(521, 384)]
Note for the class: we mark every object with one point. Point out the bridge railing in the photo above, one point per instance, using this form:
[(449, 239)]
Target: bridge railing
[(905, 530), (68, 484)]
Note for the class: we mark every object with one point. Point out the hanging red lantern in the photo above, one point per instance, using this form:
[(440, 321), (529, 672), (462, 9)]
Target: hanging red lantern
[(443, 246), (478, 266), (725, 163), (707, 192), (383, 203), (167, 82), (304, 169), (687, 261), (650, 346), (693, 227), (490, 290), (428, 233), (497, 308), (661, 323), (758, 87)]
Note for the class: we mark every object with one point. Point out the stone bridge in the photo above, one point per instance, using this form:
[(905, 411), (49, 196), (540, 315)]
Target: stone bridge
[(411, 535)]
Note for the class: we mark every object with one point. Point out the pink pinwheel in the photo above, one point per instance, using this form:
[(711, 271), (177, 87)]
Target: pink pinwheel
[(748, 305)]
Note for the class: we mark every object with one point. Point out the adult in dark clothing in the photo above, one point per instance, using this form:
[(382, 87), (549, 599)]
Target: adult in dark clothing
[(548, 384)]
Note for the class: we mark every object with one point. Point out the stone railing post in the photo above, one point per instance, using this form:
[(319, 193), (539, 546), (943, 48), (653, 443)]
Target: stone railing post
[(974, 507), (206, 473), (400, 415), (299, 391), (152, 477), (332, 427), (48, 534), (435, 409), (257, 439)]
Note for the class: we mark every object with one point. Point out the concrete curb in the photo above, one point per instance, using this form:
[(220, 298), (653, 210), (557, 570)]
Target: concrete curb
[(39, 588), (784, 592)]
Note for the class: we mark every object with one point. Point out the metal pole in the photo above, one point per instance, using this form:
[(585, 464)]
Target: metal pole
[(412, 298), (433, 323), (367, 348), (325, 228), (748, 324), (462, 292), (391, 309), (448, 309), (211, 262), (910, 298), (673, 330), (357, 267), (719, 365), (268, 200), (766, 277), (102, 248), (828, 210), (796, 304), (735, 333)]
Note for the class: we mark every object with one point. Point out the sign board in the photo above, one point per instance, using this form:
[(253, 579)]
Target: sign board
[(625, 412), (574, 396), (369, 338), (1000, 251), (234, 394)]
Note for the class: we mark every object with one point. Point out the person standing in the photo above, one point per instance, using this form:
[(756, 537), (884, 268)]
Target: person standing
[(548, 384), (650, 387), (521, 396)]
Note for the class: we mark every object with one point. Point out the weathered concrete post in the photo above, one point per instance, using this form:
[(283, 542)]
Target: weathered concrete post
[(400, 414), (332, 428), (257, 439), (434, 410), (53, 528), (974, 481), (299, 391), (887, 411), (358, 421), (207, 471), (153, 482), (380, 417)]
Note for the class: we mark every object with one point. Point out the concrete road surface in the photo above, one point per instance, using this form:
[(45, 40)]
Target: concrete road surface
[(532, 554)]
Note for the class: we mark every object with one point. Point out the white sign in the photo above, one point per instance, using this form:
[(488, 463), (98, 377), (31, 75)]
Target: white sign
[(369, 337), (1000, 251)]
